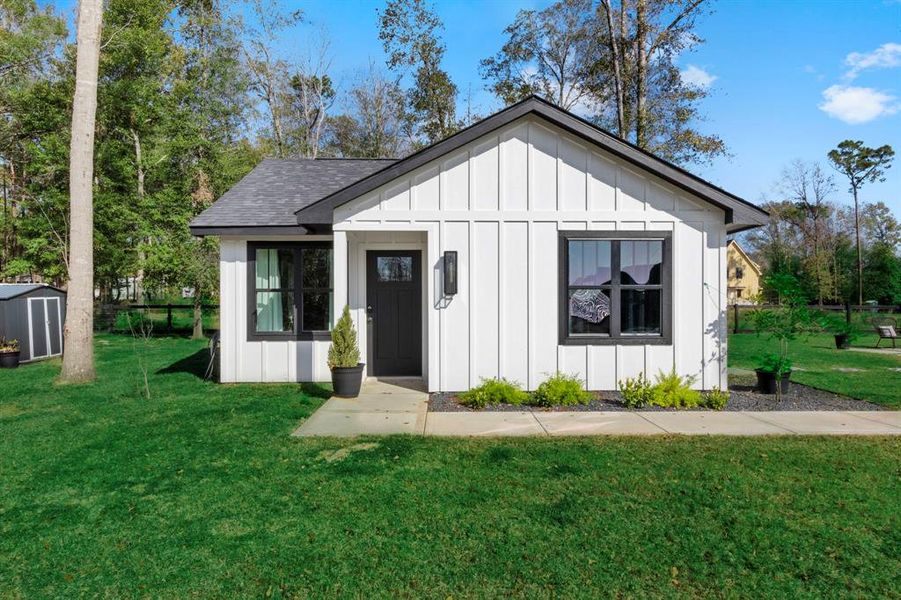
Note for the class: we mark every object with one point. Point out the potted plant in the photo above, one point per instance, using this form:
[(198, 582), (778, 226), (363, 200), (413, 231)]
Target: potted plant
[(783, 324), (9, 353), (844, 333), (344, 358)]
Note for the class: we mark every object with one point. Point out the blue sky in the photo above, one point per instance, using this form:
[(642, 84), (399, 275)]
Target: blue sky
[(788, 79)]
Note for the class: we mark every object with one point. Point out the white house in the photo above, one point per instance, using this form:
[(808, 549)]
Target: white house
[(528, 243)]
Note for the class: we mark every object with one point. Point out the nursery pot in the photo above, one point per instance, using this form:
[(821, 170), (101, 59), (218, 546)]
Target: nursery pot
[(9, 360), (346, 381), (841, 341), (766, 381)]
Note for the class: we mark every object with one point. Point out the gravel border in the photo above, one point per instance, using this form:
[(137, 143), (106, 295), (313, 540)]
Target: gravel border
[(742, 397)]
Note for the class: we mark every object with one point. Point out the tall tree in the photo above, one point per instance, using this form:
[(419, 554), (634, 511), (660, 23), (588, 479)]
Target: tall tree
[(311, 96), (544, 54), (410, 33), (78, 359), (860, 164)]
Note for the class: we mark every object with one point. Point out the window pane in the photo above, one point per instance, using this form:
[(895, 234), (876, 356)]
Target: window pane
[(274, 268), (317, 267), (640, 262), (589, 311), (275, 312), (394, 268), (316, 311), (640, 311), (589, 262)]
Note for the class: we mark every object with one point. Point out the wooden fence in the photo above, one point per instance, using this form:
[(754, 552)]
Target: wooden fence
[(106, 315), (859, 315)]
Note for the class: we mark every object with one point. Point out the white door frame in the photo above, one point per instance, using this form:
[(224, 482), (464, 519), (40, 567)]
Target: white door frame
[(45, 301)]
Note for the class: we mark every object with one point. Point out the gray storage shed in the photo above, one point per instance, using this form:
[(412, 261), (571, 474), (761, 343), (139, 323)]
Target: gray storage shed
[(33, 313)]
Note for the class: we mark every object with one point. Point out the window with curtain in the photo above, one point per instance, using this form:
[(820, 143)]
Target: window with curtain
[(615, 287), (290, 293)]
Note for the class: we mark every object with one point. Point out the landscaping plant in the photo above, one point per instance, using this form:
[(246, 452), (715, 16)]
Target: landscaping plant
[(716, 398), (783, 324), (9, 345), (636, 391), (561, 389), (344, 351), (494, 391), (674, 391)]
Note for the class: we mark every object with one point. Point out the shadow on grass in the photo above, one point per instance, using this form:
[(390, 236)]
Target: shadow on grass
[(195, 364), (316, 390)]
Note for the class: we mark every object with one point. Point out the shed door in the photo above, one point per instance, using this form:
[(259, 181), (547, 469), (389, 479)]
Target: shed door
[(44, 329)]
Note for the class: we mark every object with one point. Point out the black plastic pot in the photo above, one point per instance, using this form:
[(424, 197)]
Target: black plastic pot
[(766, 381), (9, 360), (346, 381), (842, 342)]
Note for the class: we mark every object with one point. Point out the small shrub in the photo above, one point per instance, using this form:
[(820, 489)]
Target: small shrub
[(494, 391), (561, 389), (344, 351), (672, 390), (636, 391), (716, 398), (8, 345), (775, 363)]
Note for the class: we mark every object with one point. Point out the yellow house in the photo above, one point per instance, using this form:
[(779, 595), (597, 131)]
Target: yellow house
[(743, 275)]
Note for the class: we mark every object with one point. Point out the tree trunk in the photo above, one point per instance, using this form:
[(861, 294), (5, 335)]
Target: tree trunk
[(859, 253), (617, 72), (78, 358), (641, 78), (197, 334), (139, 162)]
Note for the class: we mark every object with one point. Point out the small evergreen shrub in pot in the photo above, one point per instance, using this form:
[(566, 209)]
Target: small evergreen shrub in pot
[(561, 389), (9, 353), (494, 391), (344, 358)]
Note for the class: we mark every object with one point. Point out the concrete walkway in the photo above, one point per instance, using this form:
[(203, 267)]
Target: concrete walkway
[(401, 406)]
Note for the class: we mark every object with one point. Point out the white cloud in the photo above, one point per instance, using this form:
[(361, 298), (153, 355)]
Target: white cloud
[(855, 105), (886, 56), (697, 76)]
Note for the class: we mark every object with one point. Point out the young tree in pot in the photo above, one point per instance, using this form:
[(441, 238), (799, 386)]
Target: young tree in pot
[(843, 331), (9, 353), (344, 358), (783, 324)]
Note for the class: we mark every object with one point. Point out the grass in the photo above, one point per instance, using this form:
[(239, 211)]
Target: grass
[(817, 363), (200, 491)]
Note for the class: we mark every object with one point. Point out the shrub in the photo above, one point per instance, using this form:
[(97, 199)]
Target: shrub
[(775, 363), (636, 392), (494, 391), (561, 389), (344, 351), (8, 345), (672, 390), (716, 398)]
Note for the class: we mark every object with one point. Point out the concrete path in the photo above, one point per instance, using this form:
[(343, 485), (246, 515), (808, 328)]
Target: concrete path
[(401, 406)]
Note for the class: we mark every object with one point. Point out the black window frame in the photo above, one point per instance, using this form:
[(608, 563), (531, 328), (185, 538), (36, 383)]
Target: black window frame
[(616, 337), (251, 314)]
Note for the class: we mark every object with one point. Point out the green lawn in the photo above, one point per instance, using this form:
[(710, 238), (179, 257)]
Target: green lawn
[(817, 363), (199, 491)]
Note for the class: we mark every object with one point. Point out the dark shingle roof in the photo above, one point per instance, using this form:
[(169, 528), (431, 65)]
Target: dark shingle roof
[(270, 194), (11, 290)]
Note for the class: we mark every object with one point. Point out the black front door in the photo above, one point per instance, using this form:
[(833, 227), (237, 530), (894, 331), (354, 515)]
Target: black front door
[(394, 304)]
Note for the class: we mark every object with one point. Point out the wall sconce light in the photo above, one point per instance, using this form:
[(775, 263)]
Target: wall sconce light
[(450, 272)]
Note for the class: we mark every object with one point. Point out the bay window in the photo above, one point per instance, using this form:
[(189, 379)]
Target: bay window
[(615, 287), (289, 290)]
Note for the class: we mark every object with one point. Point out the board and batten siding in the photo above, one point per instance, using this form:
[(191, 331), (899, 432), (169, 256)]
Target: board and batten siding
[(500, 202), (263, 361)]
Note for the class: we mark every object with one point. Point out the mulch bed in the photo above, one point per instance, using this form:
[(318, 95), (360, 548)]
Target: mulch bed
[(742, 396)]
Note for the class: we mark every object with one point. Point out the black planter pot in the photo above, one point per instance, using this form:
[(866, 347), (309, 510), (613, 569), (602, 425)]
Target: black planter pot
[(9, 360), (346, 381), (766, 382), (841, 341)]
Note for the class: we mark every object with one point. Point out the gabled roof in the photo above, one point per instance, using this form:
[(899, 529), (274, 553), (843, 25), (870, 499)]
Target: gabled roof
[(740, 214), (745, 255), (13, 290), (264, 201)]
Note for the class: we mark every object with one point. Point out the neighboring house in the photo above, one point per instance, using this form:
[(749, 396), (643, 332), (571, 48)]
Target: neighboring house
[(743, 275), (528, 243)]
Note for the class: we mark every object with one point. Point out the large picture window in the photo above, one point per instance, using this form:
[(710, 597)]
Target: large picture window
[(290, 290), (615, 287)]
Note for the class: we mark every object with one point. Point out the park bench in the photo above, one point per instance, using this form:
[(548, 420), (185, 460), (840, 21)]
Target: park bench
[(887, 328)]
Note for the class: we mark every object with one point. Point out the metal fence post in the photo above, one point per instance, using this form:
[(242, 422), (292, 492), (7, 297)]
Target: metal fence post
[(735, 318), (169, 318)]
